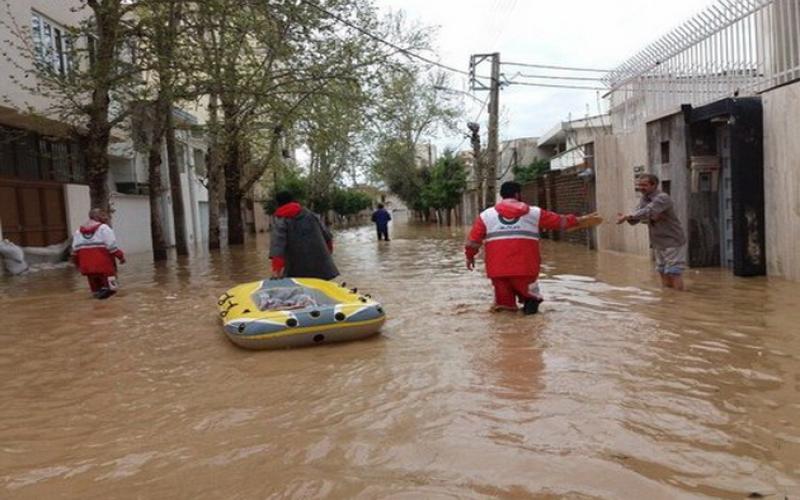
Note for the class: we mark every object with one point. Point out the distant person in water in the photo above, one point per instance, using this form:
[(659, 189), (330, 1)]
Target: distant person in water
[(381, 218), (300, 246), (510, 230), (95, 252)]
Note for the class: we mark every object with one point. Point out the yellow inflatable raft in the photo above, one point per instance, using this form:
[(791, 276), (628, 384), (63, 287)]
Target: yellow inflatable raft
[(294, 312)]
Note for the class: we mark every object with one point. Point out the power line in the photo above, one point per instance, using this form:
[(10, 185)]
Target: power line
[(381, 40), (553, 85), (546, 66), (552, 77)]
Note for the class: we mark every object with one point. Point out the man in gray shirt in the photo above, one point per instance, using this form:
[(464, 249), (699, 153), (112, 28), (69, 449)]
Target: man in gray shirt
[(666, 233)]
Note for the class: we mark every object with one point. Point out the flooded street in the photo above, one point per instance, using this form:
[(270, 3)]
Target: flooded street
[(616, 390)]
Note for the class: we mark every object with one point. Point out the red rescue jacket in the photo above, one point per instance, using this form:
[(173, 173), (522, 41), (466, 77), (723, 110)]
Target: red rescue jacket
[(94, 247), (510, 230)]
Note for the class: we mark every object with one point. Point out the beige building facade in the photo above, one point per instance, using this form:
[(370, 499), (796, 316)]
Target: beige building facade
[(43, 192)]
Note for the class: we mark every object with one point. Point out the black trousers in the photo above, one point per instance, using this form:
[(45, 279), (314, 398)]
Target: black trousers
[(383, 231)]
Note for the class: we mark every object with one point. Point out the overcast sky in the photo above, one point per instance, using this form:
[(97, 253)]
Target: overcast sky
[(578, 33)]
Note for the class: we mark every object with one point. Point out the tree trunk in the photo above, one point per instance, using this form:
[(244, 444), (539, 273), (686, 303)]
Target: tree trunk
[(233, 192), (214, 182), (213, 172), (97, 167), (154, 175), (97, 139), (178, 213), (233, 203), (157, 118), (107, 17)]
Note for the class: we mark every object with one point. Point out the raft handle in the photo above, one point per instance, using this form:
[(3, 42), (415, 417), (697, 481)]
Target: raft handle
[(319, 337), (241, 327), (339, 316), (291, 322), (314, 314)]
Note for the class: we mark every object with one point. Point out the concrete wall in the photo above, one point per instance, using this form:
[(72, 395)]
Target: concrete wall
[(76, 199), (616, 156), (671, 129), (782, 180), (60, 12), (131, 222)]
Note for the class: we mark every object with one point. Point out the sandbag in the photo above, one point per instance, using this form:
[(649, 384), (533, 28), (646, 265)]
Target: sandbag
[(52, 254), (13, 257)]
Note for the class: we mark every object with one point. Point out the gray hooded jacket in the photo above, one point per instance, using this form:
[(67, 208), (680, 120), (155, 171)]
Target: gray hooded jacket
[(301, 239)]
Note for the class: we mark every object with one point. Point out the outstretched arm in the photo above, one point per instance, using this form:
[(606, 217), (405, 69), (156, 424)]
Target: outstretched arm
[(650, 211), (552, 221)]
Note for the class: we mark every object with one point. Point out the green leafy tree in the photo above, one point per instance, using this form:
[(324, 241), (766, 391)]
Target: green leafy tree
[(395, 164), (448, 179), (530, 172), (414, 108), (292, 182), (447, 182), (348, 202)]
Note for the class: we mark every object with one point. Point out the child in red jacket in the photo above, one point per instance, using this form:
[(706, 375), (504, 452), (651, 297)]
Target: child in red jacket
[(94, 248)]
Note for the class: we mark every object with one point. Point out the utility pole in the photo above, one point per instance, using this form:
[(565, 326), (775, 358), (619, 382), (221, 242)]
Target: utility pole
[(489, 191), (477, 161), (491, 147)]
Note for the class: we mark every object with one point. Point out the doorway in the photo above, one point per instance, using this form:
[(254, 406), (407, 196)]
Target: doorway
[(726, 202)]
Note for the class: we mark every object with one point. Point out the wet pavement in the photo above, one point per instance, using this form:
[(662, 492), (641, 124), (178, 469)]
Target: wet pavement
[(616, 390)]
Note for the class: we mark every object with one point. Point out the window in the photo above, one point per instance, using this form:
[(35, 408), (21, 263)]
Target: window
[(29, 156), (7, 159), (60, 161), (664, 152), (52, 43)]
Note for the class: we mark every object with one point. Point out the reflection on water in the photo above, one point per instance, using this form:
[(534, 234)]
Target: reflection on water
[(617, 390)]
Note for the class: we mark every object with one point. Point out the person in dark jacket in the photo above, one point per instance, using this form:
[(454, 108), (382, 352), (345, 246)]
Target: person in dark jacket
[(300, 246), (381, 219)]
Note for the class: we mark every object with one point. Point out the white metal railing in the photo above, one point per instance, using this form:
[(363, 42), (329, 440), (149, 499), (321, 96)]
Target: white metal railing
[(733, 47), (569, 158)]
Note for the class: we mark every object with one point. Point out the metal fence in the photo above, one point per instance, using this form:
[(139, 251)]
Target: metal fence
[(732, 48)]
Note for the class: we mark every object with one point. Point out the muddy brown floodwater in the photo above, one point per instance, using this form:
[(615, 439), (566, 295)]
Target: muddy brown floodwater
[(616, 390)]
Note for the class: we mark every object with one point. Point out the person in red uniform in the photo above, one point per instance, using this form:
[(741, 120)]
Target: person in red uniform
[(510, 230), (94, 250)]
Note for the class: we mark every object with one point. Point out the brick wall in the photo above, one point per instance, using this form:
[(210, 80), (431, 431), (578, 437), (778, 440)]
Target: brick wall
[(564, 192)]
